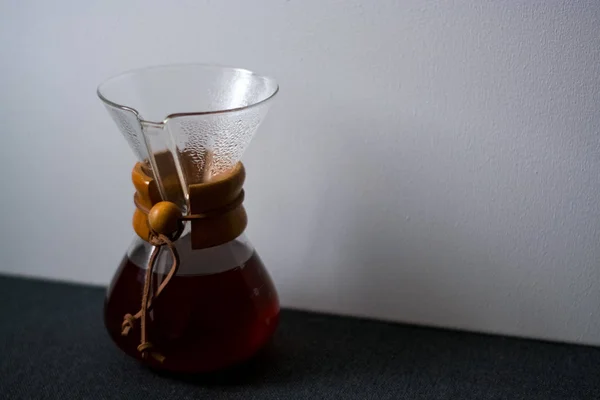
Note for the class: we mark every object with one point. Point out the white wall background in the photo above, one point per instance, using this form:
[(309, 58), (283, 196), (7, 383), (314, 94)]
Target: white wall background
[(433, 162)]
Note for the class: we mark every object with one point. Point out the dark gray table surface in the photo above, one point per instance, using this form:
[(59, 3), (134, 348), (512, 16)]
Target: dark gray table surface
[(53, 346)]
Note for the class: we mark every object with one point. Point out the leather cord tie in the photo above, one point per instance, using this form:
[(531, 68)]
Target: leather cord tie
[(190, 217), (166, 224), (145, 347)]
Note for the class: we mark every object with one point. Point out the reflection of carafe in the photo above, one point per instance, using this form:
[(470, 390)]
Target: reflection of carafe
[(191, 294)]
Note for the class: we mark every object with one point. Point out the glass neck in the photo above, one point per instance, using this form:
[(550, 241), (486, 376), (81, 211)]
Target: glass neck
[(212, 260)]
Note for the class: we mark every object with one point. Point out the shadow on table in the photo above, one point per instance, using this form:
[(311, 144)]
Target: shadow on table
[(309, 347)]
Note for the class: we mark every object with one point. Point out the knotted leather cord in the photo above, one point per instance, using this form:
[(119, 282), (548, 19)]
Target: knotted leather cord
[(158, 240)]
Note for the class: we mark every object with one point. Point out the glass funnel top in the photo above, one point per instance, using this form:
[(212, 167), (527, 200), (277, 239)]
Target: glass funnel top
[(187, 123)]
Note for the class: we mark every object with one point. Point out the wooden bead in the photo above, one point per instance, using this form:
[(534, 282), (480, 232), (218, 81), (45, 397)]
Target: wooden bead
[(164, 218)]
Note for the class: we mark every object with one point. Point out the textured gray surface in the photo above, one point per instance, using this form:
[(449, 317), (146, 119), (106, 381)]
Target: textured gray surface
[(53, 346)]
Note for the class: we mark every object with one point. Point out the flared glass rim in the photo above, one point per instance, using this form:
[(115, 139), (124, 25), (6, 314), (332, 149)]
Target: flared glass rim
[(111, 103)]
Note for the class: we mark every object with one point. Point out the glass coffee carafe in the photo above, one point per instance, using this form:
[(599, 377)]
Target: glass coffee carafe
[(191, 294)]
